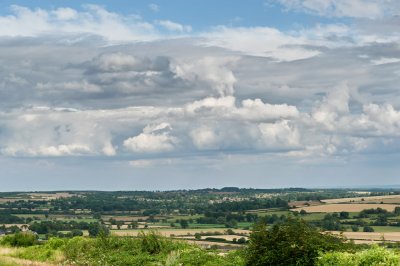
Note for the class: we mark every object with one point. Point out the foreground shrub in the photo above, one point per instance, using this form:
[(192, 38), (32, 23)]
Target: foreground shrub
[(152, 243), (196, 256), (146, 249), (51, 251), (39, 253), (293, 242), (20, 240), (375, 256)]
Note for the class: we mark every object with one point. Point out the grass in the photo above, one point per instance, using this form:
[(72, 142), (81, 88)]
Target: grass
[(386, 228), (245, 224), (353, 214), (270, 212), (38, 253), (173, 218), (394, 218), (313, 216), (86, 220), (206, 226), (40, 216), (4, 261)]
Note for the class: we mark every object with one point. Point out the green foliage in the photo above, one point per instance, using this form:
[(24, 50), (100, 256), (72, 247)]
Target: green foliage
[(231, 223), (184, 223), (96, 229), (375, 256), (355, 228), (195, 256), (38, 253), (147, 249), (56, 243), (381, 220), (50, 251), (291, 243), (368, 229), (6, 262), (46, 227), (134, 225), (78, 248), (10, 219), (331, 222), (344, 215), (241, 240), (152, 242), (215, 239), (19, 240), (77, 232)]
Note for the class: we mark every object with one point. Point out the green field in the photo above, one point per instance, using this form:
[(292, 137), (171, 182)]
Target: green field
[(386, 228)]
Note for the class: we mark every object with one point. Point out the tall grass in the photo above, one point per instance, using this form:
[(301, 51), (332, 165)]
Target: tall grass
[(51, 251)]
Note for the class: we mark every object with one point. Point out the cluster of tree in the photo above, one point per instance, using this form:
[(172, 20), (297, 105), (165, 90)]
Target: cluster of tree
[(52, 227), (273, 219), (366, 228), (381, 216), (378, 216), (293, 242), (10, 219), (20, 240), (366, 213), (96, 229), (166, 202), (10, 229), (226, 218), (15, 210), (331, 222)]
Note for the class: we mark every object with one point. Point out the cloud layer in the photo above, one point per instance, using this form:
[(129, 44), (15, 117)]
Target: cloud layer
[(93, 83)]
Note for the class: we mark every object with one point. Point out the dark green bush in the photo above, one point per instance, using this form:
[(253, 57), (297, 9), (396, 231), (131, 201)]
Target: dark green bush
[(291, 243), (20, 240)]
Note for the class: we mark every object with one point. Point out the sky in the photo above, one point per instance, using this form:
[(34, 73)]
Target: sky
[(160, 95)]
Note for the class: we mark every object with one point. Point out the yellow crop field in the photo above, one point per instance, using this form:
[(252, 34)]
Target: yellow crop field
[(367, 199), (371, 236), (351, 207)]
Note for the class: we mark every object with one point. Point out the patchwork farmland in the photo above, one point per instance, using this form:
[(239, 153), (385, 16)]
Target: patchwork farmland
[(212, 219)]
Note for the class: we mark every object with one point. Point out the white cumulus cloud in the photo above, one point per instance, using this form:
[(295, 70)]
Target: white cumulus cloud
[(154, 138)]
